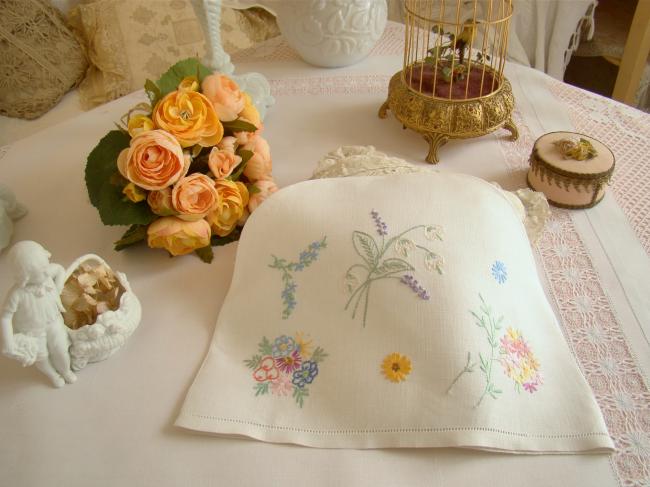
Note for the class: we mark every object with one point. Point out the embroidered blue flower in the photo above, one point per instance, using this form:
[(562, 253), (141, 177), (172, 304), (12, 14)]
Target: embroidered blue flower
[(306, 374), (283, 346), (499, 272)]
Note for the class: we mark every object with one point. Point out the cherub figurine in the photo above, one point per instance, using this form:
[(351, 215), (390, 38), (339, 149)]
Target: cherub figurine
[(31, 324)]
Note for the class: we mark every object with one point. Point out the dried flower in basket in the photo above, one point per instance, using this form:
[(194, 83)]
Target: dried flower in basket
[(185, 170), (90, 290)]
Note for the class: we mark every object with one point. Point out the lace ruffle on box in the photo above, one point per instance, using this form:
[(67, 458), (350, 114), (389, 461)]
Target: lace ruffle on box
[(40, 59), (358, 160)]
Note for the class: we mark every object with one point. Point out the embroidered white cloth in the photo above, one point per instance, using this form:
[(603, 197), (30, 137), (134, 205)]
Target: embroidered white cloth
[(392, 311)]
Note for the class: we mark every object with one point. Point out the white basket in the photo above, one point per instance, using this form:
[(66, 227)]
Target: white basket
[(96, 342)]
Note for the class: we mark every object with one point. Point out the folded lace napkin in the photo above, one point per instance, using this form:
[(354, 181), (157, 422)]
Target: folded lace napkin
[(392, 311)]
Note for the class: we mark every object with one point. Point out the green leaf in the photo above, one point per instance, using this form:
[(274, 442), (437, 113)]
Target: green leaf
[(245, 157), (390, 266), (365, 246), (169, 81), (299, 394), (153, 92), (319, 355), (101, 167), (253, 362), (238, 125), (252, 189), (261, 388), (205, 254), (233, 236), (134, 235), (265, 346)]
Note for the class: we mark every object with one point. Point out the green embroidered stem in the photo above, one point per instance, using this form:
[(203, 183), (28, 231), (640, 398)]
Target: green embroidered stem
[(490, 328), (377, 266), (468, 369)]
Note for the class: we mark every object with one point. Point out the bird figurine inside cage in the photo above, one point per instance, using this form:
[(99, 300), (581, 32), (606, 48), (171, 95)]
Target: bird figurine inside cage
[(452, 85)]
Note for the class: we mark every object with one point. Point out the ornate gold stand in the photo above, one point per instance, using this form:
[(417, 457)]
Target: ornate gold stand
[(439, 120)]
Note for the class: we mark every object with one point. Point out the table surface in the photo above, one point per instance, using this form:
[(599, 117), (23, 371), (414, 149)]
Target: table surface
[(115, 425)]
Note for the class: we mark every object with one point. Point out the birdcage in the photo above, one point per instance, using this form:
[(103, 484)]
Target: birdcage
[(451, 85)]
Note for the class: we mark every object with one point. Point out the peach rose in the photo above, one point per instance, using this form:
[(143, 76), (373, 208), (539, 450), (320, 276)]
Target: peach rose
[(188, 116), (222, 163), (178, 236), (153, 161), (228, 144), (259, 166), (225, 96), (160, 202), (194, 196), (264, 189), (249, 112), (234, 197), (139, 124)]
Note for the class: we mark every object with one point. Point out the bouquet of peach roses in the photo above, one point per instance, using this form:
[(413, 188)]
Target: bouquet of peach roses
[(186, 170)]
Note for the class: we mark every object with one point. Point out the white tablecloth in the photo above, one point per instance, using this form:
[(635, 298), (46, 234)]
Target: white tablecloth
[(114, 427)]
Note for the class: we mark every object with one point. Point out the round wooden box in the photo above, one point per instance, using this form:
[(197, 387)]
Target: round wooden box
[(567, 182)]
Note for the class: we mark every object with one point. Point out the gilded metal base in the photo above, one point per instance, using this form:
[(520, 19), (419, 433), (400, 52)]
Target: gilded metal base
[(439, 120)]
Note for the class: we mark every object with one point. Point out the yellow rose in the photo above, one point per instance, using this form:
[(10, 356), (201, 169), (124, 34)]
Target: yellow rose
[(189, 83), (224, 95), (133, 193), (194, 196), (160, 202), (178, 236), (190, 117), (234, 197), (265, 188), (154, 160), (250, 113), (259, 166), (139, 124), (222, 162)]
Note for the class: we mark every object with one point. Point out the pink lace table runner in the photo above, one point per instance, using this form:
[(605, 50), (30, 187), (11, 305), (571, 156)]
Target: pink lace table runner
[(588, 320)]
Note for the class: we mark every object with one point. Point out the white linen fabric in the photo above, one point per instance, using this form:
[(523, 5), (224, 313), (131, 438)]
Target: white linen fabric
[(392, 311)]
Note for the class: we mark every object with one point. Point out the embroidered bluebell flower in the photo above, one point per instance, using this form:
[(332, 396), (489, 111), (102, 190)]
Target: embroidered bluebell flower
[(499, 272), (305, 259), (382, 228), (433, 232), (306, 374), (283, 346), (411, 282), (434, 262), (404, 246)]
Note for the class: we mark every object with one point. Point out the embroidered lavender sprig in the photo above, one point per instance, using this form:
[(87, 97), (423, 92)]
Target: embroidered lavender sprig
[(382, 228), (411, 282), (305, 259)]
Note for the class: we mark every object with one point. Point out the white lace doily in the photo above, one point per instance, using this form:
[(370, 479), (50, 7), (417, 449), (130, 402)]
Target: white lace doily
[(359, 160)]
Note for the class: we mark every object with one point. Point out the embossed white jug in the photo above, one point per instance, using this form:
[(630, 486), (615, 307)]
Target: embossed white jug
[(331, 33)]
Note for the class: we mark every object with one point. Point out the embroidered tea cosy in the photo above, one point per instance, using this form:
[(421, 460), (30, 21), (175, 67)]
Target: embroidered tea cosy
[(392, 311)]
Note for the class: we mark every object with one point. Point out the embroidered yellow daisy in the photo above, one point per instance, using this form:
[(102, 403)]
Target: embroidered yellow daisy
[(396, 367), (303, 345)]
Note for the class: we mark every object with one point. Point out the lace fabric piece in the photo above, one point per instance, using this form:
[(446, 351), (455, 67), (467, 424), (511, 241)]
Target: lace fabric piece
[(40, 59), (357, 160), (130, 41)]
